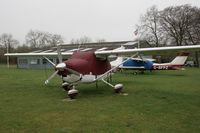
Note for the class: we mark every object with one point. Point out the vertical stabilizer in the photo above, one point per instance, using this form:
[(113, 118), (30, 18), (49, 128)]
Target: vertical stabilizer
[(116, 62), (180, 59), (119, 59)]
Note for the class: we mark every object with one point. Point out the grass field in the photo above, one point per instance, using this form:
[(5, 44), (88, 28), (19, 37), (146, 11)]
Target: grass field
[(162, 101)]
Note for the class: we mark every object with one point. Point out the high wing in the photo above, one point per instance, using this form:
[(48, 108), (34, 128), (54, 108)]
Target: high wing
[(111, 52), (38, 54), (132, 51)]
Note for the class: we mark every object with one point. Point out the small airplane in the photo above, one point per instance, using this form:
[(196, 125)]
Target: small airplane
[(90, 66), (142, 64)]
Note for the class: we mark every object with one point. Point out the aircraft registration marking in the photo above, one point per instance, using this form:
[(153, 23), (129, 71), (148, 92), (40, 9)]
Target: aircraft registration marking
[(161, 67)]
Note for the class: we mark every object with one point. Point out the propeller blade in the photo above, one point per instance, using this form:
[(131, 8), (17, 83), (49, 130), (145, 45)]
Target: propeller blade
[(59, 53), (47, 81), (50, 61)]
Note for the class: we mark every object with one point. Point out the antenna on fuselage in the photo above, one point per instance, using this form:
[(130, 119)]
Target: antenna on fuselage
[(59, 52)]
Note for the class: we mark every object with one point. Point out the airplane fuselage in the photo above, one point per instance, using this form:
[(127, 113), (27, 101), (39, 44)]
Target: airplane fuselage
[(74, 79), (149, 65), (87, 65), (166, 66), (139, 64)]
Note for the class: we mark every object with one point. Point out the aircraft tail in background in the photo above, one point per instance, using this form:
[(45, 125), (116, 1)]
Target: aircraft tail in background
[(175, 64), (117, 61), (140, 64), (180, 59)]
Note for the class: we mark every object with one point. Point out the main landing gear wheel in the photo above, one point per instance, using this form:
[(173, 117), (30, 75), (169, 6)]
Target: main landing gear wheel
[(118, 88), (72, 93)]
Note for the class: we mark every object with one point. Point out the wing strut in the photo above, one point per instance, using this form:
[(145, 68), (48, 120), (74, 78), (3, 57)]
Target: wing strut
[(102, 76)]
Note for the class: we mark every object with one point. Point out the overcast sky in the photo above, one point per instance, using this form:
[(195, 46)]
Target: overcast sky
[(113, 20)]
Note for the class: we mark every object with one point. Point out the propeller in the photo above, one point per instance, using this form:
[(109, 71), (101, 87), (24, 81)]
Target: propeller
[(58, 67), (61, 66)]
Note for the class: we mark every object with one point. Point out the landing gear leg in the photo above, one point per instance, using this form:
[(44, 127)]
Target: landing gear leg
[(66, 86), (117, 88)]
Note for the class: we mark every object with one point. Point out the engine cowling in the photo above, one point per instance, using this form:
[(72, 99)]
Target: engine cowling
[(118, 88)]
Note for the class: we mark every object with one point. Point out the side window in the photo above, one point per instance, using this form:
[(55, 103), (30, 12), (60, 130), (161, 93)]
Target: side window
[(34, 61), (23, 61), (38, 61), (44, 61)]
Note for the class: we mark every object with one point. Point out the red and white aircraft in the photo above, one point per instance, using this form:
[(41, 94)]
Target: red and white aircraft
[(91, 66), (175, 64)]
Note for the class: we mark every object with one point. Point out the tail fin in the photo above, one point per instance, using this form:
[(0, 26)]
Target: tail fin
[(119, 59), (116, 62), (180, 59)]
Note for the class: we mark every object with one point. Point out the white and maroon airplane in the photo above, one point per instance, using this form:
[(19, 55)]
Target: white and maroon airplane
[(91, 66)]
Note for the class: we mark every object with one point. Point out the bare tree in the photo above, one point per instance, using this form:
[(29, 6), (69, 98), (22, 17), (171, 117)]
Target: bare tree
[(55, 39), (32, 39), (7, 41), (7, 44), (193, 31), (176, 25), (40, 39), (182, 24), (175, 22), (150, 27)]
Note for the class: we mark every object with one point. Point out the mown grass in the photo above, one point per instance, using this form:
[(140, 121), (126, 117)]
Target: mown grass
[(162, 101)]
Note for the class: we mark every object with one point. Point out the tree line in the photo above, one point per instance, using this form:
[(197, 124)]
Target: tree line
[(174, 25), (34, 40)]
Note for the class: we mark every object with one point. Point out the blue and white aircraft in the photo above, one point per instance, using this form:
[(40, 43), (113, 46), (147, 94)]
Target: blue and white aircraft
[(149, 64)]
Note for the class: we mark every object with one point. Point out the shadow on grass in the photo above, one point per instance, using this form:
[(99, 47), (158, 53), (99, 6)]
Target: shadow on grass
[(93, 90)]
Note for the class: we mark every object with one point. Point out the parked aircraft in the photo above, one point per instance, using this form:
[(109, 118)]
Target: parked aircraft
[(90, 66), (148, 64)]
